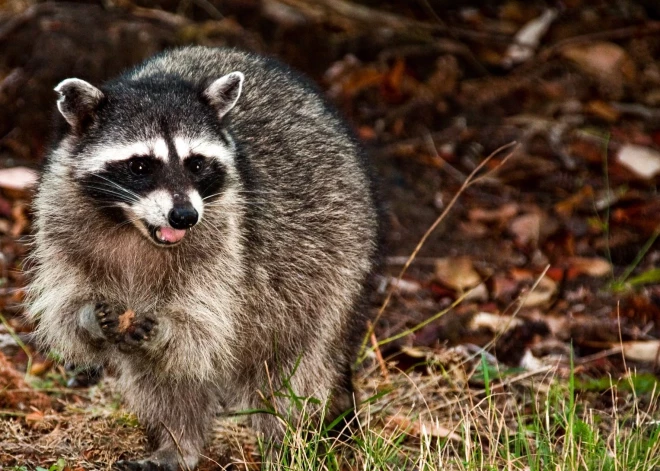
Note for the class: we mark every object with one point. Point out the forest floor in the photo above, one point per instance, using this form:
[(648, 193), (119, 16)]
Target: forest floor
[(517, 322)]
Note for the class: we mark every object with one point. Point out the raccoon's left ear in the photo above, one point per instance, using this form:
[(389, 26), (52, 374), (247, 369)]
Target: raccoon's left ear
[(78, 101), (224, 92)]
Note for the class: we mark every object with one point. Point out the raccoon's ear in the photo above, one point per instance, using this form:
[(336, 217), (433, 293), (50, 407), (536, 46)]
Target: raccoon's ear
[(78, 100), (224, 92)]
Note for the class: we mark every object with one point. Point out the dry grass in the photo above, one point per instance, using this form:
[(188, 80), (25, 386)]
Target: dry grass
[(455, 411)]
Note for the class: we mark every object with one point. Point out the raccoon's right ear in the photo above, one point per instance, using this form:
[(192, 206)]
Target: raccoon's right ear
[(224, 92), (77, 102)]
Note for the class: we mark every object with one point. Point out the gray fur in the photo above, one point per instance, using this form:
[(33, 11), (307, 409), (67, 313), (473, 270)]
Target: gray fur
[(271, 277)]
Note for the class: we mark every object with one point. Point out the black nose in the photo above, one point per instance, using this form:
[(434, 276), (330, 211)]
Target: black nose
[(183, 217)]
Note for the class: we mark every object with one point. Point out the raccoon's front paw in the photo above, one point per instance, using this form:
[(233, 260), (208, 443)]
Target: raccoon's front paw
[(123, 327), (107, 317)]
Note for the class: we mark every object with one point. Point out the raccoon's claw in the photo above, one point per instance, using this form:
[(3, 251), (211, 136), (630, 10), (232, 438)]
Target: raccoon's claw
[(108, 320), (124, 327), (144, 465), (140, 331)]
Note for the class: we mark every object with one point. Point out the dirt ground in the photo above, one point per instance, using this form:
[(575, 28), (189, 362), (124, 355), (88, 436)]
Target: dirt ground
[(548, 256)]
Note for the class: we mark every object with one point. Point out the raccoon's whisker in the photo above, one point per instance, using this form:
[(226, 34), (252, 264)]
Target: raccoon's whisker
[(118, 186), (212, 196), (220, 205), (112, 191), (127, 222), (109, 191), (259, 192)]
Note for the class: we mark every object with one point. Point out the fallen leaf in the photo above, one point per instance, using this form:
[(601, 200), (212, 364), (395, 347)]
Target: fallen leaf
[(422, 428), (457, 273), (493, 322), (40, 368), (603, 110), (34, 417), (542, 294), (596, 267), (21, 221), (526, 229), (647, 351), (17, 178), (528, 37), (642, 161), (477, 294), (601, 60), (474, 230), (566, 207), (504, 288), (502, 214)]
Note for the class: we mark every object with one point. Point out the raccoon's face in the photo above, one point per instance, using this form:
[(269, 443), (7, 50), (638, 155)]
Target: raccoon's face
[(152, 154)]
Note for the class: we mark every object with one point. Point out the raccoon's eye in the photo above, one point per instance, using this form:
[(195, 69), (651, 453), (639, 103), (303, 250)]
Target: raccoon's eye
[(140, 166), (195, 164)]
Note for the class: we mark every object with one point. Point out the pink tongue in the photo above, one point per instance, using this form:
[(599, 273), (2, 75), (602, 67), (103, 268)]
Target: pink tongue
[(170, 235)]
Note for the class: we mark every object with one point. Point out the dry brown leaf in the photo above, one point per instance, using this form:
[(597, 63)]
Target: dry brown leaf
[(542, 294), (422, 428), (502, 214), (457, 273), (477, 294), (596, 266), (527, 39), (34, 417), (566, 207), (647, 351), (493, 322), (405, 286), (642, 161), (601, 59), (526, 229), (40, 368), (603, 110)]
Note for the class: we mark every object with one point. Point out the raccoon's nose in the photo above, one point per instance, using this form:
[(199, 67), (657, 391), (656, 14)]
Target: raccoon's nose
[(183, 217)]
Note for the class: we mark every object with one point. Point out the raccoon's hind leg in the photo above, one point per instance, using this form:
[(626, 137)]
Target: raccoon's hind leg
[(342, 406), (331, 385), (176, 415)]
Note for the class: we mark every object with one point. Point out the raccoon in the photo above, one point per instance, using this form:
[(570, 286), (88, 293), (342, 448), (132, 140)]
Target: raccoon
[(205, 226)]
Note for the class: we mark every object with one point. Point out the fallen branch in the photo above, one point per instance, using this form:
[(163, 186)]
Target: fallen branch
[(345, 13)]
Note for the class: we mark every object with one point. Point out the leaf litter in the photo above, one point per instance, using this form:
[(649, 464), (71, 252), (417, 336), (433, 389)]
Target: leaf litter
[(545, 269)]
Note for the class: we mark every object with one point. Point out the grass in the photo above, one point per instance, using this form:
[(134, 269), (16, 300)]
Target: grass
[(466, 417), (547, 424)]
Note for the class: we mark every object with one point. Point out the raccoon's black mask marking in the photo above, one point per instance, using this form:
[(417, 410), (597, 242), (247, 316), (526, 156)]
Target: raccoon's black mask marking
[(119, 182)]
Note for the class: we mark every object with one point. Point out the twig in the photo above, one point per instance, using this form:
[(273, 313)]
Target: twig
[(176, 442), (270, 385), (209, 8), (161, 16), (470, 180), (379, 356), (598, 356), (363, 16)]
